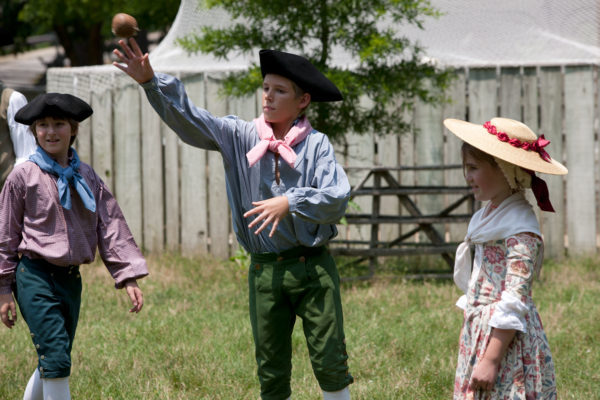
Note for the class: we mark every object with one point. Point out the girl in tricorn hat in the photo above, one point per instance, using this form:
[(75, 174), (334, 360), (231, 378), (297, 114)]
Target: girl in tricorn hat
[(283, 173), (504, 353), (55, 211)]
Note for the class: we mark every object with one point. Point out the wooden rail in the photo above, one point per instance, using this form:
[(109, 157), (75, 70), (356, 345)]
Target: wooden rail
[(384, 184)]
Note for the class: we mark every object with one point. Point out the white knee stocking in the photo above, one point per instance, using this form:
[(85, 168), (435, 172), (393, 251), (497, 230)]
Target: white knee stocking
[(56, 389), (343, 394), (33, 391)]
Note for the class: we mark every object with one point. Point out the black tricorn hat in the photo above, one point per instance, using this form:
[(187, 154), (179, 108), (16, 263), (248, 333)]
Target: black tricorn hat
[(54, 105), (300, 71)]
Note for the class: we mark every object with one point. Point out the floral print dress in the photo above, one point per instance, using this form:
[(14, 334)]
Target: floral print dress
[(500, 295)]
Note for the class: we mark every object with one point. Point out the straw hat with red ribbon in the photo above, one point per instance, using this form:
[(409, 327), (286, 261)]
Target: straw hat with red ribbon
[(512, 141)]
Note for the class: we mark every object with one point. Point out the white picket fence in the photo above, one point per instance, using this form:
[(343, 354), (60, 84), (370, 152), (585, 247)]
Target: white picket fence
[(174, 196)]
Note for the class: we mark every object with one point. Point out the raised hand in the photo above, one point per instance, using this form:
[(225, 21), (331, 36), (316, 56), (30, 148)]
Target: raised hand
[(136, 64)]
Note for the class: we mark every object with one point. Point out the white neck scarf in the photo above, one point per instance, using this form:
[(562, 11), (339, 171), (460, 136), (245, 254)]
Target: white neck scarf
[(514, 215)]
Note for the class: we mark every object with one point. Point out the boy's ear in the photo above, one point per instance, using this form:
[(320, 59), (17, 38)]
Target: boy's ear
[(305, 100)]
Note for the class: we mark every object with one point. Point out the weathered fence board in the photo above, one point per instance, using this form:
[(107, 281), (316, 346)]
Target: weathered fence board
[(510, 93), (100, 149), (172, 176), (152, 178), (456, 108), (429, 130), (406, 156), (579, 128), (389, 204), (529, 103), (127, 156), (530, 99), (194, 198), (551, 126), (359, 152), (81, 89), (482, 95)]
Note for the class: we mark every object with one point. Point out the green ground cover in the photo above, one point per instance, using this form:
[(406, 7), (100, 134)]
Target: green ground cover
[(192, 340)]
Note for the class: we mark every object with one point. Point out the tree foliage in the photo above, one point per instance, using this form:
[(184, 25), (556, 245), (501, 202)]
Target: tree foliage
[(387, 72), (83, 26)]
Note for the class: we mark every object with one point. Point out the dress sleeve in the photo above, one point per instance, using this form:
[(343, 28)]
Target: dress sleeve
[(523, 250), (12, 206), (325, 201), (116, 245)]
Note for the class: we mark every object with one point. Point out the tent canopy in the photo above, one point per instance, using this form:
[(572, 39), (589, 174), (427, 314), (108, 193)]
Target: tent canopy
[(468, 34)]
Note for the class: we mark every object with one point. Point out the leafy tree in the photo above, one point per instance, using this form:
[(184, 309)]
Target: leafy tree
[(12, 32), (386, 65), (83, 26)]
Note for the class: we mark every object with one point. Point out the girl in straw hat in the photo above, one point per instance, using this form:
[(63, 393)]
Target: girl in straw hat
[(504, 353)]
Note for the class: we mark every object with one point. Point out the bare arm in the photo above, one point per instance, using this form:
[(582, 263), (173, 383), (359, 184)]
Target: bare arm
[(486, 370)]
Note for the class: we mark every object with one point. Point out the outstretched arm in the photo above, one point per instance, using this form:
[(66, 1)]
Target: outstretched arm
[(137, 65)]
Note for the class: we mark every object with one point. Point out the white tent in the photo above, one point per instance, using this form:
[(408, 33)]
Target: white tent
[(468, 33)]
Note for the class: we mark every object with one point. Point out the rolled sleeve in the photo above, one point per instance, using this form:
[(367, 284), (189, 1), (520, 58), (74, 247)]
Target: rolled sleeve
[(522, 252), (509, 313)]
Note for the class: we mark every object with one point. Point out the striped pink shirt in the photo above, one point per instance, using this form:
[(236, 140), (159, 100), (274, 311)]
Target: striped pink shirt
[(33, 223)]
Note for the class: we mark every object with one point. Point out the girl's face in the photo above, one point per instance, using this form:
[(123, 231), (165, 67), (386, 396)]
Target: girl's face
[(280, 102), (486, 180), (54, 136)]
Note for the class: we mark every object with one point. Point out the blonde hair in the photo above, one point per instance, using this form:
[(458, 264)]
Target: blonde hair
[(298, 91)]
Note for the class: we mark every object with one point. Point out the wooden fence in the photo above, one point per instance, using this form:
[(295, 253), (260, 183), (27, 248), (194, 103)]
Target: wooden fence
[(174, 196)]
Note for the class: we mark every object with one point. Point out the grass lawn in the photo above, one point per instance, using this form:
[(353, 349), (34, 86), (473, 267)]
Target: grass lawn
[(192, 340)]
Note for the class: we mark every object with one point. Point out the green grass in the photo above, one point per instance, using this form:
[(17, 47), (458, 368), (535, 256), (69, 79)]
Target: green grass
[(192, 340)]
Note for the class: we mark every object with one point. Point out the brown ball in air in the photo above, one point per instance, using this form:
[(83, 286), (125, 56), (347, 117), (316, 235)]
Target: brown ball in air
[(124, 25)]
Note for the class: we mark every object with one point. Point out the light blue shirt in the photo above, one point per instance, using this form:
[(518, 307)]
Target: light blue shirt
[(317, 187)]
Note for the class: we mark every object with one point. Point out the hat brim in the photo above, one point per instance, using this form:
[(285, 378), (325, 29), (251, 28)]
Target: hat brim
[(53, 105), (478, 137)]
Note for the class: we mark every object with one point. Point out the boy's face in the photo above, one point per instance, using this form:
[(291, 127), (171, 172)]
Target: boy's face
[(54, 136), (280, 102)]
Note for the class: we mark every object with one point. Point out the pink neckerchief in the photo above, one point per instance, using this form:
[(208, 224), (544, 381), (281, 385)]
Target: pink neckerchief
[(295, 135)]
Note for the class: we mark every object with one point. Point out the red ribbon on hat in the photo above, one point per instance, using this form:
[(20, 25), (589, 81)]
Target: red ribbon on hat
[(537, 146), (540, 191)]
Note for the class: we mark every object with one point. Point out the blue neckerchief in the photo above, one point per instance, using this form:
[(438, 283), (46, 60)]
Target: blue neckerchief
[(66, 176)]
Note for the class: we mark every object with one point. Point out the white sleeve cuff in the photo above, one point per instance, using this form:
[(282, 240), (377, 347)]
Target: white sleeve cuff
[(509, 314), (462, 302)]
